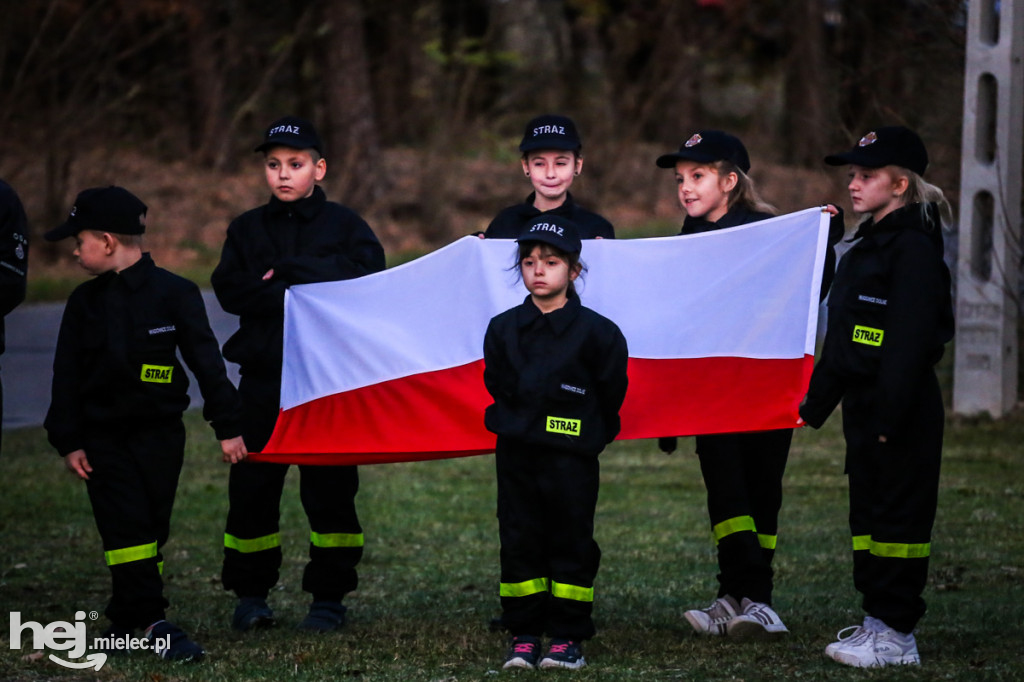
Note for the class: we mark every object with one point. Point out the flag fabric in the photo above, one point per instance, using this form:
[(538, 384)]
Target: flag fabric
[(389, 367)]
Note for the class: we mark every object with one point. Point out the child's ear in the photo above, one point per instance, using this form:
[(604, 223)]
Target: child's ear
[(321, 169), (575, 272), (109, 243), (728, 182), (899, 185), (579, 165)]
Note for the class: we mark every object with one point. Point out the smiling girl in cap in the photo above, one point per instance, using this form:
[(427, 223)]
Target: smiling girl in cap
[(552, 159), (742, 471), (889, 316), (557, 373)]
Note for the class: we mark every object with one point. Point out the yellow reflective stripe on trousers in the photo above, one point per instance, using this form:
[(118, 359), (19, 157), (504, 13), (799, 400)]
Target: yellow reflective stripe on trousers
[(767, 541), (861, 543), (336, 539), (901, 550), (735, 525), (891, 550), (128, 554), (524, 589), (250, 545), (574, 592), (160, 567)]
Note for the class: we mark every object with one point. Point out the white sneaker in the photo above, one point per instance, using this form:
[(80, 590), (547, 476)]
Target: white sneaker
[(854, 635), (874, 645), (756, 621), (714, 619)]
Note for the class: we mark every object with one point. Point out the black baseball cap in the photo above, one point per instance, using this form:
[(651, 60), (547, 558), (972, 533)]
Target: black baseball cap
[(550, 131), (105, 209), (708, 146), (294, 132), (557, 231), (887, 146)]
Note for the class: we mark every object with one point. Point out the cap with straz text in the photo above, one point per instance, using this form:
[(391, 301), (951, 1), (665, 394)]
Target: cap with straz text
[(294, 132), (550, 131), (555, 230)]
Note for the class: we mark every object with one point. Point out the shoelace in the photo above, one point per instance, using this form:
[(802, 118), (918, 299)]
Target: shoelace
[(857, 634), (559, 648), (523, 647)]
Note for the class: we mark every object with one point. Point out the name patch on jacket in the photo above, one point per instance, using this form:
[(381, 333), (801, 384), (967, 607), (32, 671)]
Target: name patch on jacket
[(161, 330), (573, 389), (872, 299), (569, 427), (868, 336), (157, 374)]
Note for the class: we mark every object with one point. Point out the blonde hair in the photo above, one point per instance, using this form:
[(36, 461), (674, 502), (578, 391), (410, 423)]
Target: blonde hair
[(920, 191), (744, 193)]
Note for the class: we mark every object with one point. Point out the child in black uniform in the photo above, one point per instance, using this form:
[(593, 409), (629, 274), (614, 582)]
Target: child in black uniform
[(557, 373), (552, 159), (118, 394), (298, 237), (889, 315), (742, 471), (13, 258)]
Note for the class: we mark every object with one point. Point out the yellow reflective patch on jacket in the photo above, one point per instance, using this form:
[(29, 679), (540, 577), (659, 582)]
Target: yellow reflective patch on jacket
[(869, 336), (336, 539), (523, 589), (157, 374), (569, 427), (128, 554), (573, 592)]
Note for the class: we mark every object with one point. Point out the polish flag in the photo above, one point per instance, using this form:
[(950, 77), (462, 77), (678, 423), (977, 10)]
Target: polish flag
[(389, 367)]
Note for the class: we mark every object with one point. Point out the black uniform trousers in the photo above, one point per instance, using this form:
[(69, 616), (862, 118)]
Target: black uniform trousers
[(549, 558), (252, 546), (893, 498), (743, 476), (135, 469)]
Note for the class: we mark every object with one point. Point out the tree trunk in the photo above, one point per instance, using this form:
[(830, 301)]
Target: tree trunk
[(351, 136), (806, 116)]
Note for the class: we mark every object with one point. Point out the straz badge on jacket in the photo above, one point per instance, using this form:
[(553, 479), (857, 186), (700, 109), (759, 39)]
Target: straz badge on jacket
[(569, 427)]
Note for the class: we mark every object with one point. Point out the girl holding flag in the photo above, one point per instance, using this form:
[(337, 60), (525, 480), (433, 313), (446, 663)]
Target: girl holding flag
[(742, 471)]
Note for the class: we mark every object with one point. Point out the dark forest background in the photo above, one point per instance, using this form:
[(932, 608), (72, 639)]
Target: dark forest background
[(422, 102)]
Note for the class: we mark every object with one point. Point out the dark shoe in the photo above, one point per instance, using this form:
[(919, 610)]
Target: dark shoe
[(252, 613), (115, 640), (169, 643), (523, 652), (564, 653), (323, 616)]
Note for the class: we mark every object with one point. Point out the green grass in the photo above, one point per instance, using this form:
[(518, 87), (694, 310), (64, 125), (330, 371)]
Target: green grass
[(430, 573)]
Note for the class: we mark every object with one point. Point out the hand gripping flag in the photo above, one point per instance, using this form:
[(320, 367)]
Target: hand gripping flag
[(389, 367)]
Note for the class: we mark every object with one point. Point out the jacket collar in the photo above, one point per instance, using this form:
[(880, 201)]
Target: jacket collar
[(559, 320), (306, 208), (528, 210), (136, 274), (735, 216), (907, 217)]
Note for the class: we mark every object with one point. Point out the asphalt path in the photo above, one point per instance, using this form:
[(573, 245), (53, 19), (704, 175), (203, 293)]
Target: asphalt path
[(27, 364)]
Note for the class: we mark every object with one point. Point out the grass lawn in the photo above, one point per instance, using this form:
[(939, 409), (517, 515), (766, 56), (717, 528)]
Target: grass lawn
[(430, 573)]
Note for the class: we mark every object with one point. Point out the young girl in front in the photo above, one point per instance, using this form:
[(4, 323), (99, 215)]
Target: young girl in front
[(552, 160), (742, 471), (557, 373), (889, 316)]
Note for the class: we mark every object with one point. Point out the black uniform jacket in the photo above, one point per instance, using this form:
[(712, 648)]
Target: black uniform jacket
[(13, 253), (305, 241), (740, 215), (510, 221), (557, 379), (889, 315), (116, 363)]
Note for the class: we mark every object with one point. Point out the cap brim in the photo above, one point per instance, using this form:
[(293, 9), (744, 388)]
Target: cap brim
[(670, 160), (853, 158), (62, 231), (559, 144)]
